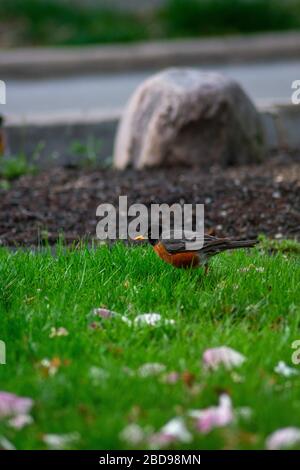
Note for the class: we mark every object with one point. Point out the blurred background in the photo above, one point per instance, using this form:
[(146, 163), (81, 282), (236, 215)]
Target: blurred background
[(71, 66), (79, 22), (71, 61), (83, 25)]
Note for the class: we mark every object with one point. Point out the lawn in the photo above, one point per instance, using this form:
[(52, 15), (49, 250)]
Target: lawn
[(57, 22), (93, 384)]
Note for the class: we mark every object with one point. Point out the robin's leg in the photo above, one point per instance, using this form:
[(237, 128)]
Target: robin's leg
[(206, 269)]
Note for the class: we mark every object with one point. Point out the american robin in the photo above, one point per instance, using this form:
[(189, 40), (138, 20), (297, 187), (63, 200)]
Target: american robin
[(181, 254)]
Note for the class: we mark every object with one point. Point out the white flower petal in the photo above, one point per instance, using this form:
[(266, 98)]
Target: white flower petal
[(133, 434), (148, 319), (57, 332), (152, 319), (177, 429), (283, 369), (60, 441), (151, 368), (174, 431), (283, 438), (5, 444)]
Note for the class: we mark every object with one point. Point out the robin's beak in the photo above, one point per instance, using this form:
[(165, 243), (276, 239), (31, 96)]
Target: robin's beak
[(140, 237)]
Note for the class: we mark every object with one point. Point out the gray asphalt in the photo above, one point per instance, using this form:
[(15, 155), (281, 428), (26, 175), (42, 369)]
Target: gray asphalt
[(267, 82)]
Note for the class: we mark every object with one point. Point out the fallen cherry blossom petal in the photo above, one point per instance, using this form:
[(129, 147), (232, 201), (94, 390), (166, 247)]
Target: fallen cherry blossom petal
[(60, 441), (151, 368), (152, 319), (49, 367), (5, 444), (20, 421), (177, 429), (174, 431), (214, 416), (57, 332), (12, 405), (283, 369), (159, 440), (222, 355), (98, 375), (171, 378), (133, 434), (260, 269), (104, 313), (283, 438)]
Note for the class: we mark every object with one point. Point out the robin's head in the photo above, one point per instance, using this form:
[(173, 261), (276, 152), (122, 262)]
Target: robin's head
[(153, 235)]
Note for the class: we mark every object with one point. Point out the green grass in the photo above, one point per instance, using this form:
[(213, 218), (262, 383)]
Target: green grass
[(56, 22), (254, 310), (14, 166)]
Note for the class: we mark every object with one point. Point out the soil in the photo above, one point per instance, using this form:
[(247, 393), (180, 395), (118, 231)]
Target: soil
[(239, 202)]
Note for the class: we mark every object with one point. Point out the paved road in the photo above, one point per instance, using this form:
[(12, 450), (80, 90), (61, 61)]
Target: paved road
[(264, 82)]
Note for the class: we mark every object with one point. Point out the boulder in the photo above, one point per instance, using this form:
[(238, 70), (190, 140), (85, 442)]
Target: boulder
[(190, 117)]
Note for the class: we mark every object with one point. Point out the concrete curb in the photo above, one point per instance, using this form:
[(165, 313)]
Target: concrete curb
[(49, 62), (63, 139), (55, 140)]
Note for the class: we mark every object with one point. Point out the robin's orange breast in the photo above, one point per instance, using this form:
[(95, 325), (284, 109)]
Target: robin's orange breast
[(179, 260)]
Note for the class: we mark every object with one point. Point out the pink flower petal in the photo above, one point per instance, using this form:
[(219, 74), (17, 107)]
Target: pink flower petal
[(214, 416), (12, 405), (61, 331), (214, 357), (171, 378), (20, 421), (159, 439), (103, 313)]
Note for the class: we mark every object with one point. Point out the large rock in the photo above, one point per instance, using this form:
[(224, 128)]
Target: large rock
[(185, 116)]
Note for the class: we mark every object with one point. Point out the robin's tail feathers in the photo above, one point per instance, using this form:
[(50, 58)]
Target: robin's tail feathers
[(220, 245), (232, 244)]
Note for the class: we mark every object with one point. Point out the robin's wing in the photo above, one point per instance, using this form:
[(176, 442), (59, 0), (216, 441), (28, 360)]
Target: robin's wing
[(179, 242), (210, 246)]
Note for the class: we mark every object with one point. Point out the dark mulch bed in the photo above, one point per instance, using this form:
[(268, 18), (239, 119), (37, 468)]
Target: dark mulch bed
[(239, 202)]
